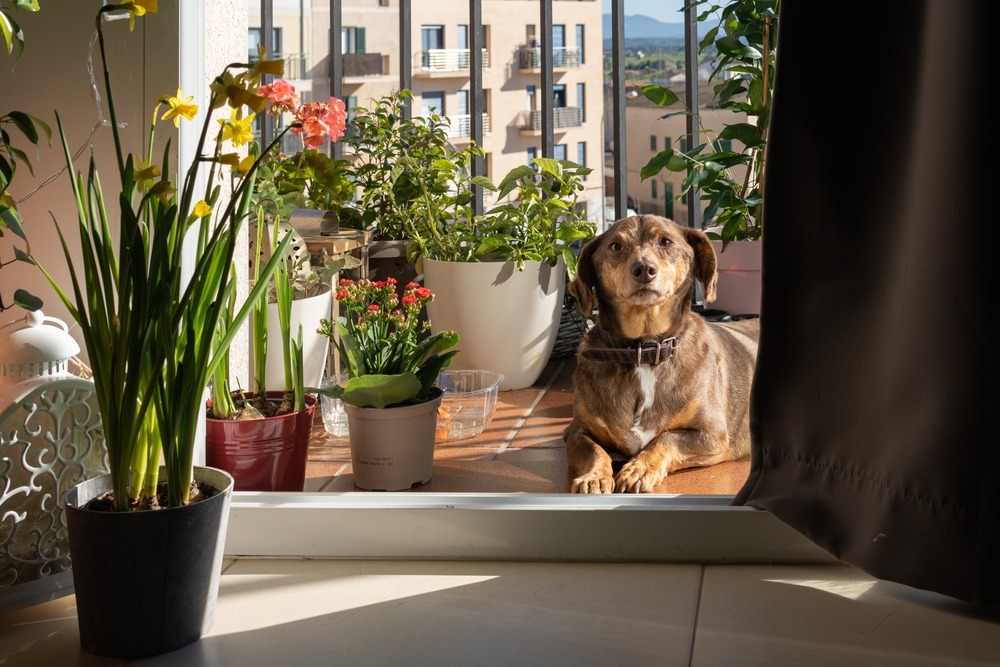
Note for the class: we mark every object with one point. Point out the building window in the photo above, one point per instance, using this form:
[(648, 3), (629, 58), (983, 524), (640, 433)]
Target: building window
[(532, 154), (581, 100), (530, 90), (559, 96), (462, 36), (431, 37), (580, 41), (559, 151), (432, 101), (668, 199), (652, 142), (352, 40), (653, 184), (667, 143), (253, 40), (683, 144), (581, 153)]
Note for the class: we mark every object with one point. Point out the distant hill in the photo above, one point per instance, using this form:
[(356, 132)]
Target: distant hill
[(644, 27)]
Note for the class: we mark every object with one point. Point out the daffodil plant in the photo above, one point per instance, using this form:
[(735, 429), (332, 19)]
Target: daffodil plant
[(147, 312)]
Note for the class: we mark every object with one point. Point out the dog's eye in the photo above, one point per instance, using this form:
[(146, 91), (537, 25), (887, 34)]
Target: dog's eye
[(664, 242), (615, 246)]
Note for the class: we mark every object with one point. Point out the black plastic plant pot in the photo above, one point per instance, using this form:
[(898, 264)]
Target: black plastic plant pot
[(146, 582)]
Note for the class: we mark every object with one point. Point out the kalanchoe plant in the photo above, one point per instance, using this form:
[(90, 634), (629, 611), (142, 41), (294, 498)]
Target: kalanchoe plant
[(380, 338), (730, 182), (148, 314)]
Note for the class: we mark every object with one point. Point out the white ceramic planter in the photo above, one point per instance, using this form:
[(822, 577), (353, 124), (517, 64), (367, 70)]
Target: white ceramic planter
[(315, 347), (738, 290), (507, 320)]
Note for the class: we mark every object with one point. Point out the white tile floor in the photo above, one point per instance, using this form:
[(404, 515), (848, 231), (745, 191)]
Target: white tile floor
[(290, 613)]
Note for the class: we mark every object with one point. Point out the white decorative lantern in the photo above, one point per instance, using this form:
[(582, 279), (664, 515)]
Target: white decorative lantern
[(50, 440)]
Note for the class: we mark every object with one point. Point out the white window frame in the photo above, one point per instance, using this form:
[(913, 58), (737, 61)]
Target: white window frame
[(531, 526)]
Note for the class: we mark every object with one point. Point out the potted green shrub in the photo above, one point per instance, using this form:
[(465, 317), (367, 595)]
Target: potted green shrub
[(391, 153), (501, 276), (390, 395), (148, 315), (32, 129), (730, 181)]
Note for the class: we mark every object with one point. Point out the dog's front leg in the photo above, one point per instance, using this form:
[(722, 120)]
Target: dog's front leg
[(644, 472), (589, 463)]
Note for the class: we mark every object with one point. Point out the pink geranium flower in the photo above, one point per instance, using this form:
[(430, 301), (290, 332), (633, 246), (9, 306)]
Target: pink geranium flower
[(320, 120), (282, 96)]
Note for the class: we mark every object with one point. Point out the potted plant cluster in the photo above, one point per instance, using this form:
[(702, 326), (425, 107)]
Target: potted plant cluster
[(148, 313), (391, 366), (514, 258), (730, 181)]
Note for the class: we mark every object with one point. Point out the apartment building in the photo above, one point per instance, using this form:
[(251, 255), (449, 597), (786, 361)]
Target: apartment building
[(439, 70)]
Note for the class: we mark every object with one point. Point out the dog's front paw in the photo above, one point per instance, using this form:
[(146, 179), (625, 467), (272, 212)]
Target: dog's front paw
[(636, 477), (593, 483)]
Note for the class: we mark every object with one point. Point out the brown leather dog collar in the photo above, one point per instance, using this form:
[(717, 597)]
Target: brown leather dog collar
[(642, 352)]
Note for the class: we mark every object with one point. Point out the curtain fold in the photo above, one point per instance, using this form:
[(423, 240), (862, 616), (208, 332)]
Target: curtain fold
[(873, 405)]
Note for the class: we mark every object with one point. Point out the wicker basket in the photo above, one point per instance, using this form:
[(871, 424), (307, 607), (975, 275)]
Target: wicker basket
[(572, 326)]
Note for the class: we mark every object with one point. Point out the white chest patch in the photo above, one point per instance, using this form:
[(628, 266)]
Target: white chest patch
[(646, 384)]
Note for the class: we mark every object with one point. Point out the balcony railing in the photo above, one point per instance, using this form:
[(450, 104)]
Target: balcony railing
[(562, 118), (364, 64), (461, 126), (444, 61), (530, 57)]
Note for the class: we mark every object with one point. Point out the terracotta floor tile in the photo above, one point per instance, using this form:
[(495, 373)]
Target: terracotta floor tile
[(520, 451)]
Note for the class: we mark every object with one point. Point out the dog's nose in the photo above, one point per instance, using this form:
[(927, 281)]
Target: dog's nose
[(643, 270)]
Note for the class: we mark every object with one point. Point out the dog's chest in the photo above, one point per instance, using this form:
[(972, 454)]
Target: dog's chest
[(644, 382)]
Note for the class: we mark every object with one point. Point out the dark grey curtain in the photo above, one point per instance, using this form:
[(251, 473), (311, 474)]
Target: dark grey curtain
[(874, 410)]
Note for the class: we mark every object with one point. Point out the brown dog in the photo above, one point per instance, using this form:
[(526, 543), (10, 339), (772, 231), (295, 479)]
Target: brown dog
[(658, 387)]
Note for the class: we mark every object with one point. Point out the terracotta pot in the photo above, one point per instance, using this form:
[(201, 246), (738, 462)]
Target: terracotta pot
[(262, 454), (392, 449), (146, 582)]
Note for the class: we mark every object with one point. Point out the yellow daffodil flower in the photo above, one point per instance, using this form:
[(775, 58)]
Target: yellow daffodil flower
[(234, 90), (230, 159), (145, 176), (179, 106), (163, 191), (243, 168), (202, 209), (237, 130), (139, 8)]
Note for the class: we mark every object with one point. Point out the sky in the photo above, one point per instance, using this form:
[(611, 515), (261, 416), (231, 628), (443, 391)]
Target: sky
[(667, 11)]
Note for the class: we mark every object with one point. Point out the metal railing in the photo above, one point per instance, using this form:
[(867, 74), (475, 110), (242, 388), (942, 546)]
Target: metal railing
[(547, 59), (449, 60), (461, 126), (530, 57), (562, 117), (363, 64)]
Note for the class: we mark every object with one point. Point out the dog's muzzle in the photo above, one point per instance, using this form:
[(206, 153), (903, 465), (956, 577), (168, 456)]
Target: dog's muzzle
[(649, 352)]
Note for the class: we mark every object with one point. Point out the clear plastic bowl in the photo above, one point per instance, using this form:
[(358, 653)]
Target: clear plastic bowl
[(470, 399)]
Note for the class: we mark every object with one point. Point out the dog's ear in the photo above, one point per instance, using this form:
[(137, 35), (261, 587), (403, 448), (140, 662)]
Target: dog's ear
[(581, 287), (704, 261)]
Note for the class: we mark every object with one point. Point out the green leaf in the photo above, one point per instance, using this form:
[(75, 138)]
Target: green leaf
[(659, 95), (669, 159), (378, 391), (27, 300)]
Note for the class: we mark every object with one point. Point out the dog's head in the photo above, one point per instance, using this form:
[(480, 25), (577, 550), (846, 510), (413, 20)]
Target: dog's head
[(642, 271)]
